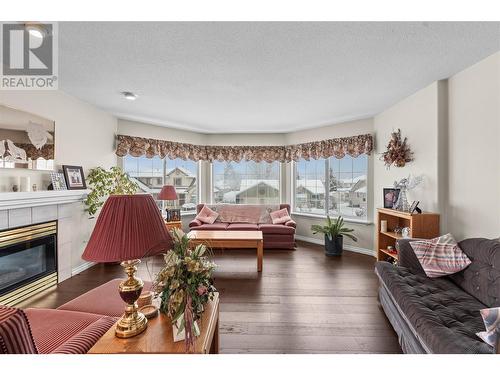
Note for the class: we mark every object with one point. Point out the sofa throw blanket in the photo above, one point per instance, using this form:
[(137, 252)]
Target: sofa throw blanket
[(244, 213)]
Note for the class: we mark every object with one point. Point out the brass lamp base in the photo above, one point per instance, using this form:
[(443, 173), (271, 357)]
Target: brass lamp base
[(132, 322)]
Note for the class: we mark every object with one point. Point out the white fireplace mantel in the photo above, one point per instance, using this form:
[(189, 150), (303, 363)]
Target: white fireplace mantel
[(18, 209), (40, 198)]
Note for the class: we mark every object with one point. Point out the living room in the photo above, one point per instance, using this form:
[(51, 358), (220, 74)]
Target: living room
[(250, 187)]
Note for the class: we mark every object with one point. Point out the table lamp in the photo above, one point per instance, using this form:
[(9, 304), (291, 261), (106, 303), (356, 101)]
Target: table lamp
[(168, 193), (128, 228)]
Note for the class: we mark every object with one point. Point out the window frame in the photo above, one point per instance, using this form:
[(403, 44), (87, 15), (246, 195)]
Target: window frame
[(293, 186), (120, 164), (280, 182)]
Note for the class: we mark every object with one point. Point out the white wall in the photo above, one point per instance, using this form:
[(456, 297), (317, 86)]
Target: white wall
[(474, 150), (84, 136), (417, 117)]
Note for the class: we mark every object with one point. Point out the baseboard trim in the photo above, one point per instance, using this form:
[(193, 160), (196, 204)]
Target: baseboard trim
[(81, 268), (354, 249)]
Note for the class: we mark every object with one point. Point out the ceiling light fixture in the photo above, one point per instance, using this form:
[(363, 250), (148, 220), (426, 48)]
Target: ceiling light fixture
[(129, 95)]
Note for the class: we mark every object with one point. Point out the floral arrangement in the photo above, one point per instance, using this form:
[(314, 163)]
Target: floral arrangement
[(185, 285), (398, 151)]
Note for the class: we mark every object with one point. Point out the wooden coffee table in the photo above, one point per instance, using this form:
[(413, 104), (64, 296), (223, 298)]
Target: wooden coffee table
[(231, 239), (158, 337)]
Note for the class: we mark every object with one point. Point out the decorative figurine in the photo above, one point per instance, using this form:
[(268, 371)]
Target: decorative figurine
[(405, 184)]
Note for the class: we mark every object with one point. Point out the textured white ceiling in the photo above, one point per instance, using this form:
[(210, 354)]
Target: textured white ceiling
[(217, 77)]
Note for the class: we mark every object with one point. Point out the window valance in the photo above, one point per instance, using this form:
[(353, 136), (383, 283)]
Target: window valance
[(337, 147)]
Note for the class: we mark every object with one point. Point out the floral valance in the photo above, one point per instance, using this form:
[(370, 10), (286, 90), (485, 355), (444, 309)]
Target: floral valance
[(337, 147)]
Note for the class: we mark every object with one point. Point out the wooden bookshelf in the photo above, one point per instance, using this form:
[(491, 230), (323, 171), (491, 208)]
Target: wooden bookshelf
[(424, 225)]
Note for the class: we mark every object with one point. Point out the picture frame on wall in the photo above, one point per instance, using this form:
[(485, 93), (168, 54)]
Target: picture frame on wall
[(391, 196), (75, 179), (58, 181)]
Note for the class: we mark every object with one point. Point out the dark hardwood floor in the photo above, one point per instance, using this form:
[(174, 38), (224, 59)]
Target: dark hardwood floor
[(303, 302)]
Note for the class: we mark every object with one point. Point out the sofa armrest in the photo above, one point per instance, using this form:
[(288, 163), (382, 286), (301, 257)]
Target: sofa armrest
[(195, 223), (407, 257), (291, 223)]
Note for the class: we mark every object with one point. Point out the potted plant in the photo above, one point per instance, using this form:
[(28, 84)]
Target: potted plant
[(334, 231), (103, 183)]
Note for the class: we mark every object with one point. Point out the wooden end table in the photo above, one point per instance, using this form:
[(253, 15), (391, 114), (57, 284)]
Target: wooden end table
[(231, 239), (173, 224), (158, 337)]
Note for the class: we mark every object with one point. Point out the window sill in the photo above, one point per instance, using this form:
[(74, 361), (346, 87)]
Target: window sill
[(347, 220), (188, 213)]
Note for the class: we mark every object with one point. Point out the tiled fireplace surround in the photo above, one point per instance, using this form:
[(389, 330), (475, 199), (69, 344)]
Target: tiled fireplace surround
[(74, 225)]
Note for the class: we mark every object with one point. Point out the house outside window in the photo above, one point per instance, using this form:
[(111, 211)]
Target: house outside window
[(152, 174), (335, 187), (246, 182)]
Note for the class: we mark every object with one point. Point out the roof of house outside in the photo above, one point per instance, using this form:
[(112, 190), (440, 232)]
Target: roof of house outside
[(313, 186)]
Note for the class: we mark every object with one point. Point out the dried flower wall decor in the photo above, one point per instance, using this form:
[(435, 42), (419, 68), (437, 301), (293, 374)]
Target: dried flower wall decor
[(398, 151)]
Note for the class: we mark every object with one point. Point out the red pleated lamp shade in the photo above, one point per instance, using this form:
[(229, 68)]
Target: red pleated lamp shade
[(167, 193), (128, 227)]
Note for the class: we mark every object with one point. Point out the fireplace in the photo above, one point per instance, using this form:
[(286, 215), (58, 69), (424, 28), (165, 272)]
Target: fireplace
[(28, 261)]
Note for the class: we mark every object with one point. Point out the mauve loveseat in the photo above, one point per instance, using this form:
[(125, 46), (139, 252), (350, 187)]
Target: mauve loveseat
[(276, 236)]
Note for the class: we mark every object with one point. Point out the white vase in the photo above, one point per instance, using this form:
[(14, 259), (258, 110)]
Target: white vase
[(180, 335)]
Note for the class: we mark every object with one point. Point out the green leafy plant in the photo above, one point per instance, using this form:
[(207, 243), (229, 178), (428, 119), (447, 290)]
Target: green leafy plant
[(103, 183), (185, 284), (334, 228)]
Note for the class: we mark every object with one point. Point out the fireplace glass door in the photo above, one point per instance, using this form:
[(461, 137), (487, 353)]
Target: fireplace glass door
[(27, 260)]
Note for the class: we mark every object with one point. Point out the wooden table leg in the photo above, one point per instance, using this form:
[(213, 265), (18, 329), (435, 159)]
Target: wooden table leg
[(260, 255), (214, 348)]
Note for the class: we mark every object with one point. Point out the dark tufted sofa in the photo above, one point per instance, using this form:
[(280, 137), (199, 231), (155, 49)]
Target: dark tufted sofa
[(441, 315)]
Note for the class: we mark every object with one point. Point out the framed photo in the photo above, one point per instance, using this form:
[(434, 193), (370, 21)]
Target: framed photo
[(390, 197), (58, 181), (414, 207), (173, 214), (74, 177)]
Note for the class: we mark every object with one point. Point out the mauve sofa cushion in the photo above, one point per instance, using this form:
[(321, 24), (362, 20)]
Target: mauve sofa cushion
[(214, 226), (103, 300), (276, 229), (53, 328), (242, 226), (195, 223)]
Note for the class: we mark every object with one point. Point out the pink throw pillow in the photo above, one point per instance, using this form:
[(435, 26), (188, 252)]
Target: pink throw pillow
[(280, 216), (206, 215), (440, 256)]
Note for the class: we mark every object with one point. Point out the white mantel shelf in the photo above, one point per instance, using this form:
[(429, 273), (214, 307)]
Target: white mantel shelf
[(40, 198)]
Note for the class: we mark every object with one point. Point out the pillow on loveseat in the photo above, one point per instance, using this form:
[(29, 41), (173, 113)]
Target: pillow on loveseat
[(280, 216), (440, 256), (207, 215)]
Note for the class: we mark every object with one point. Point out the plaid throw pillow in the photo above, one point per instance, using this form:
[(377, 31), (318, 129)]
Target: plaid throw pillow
[(440, 256), (491, 319)]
